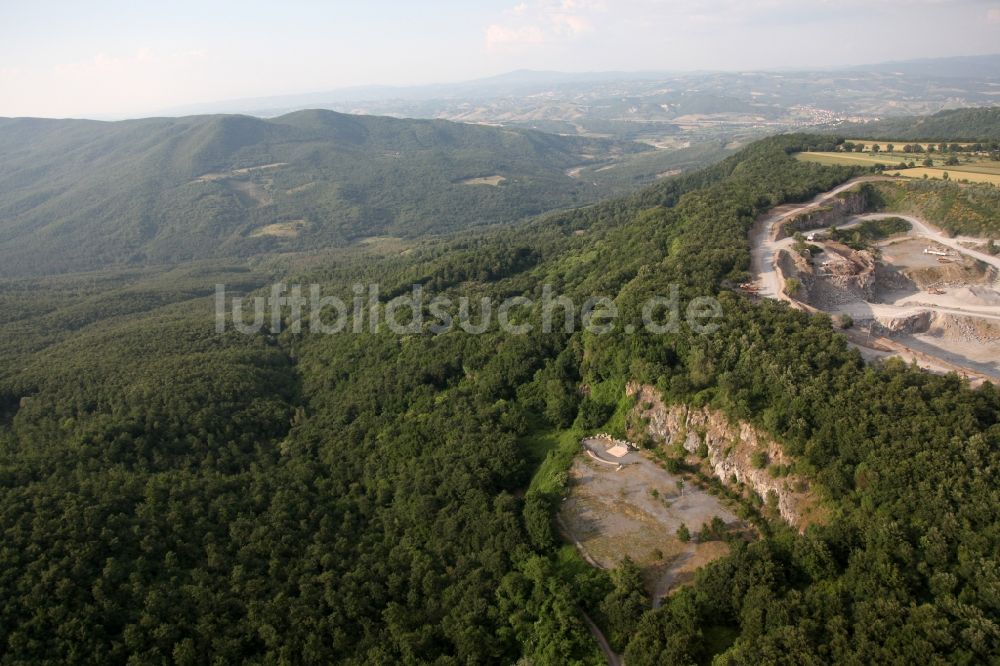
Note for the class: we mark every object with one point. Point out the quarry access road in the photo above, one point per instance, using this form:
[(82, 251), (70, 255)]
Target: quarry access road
[(922, 228)]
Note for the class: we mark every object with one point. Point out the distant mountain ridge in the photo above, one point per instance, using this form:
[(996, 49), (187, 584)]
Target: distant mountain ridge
[(525, 81), (518, 81), (963, 67), (79, 194)]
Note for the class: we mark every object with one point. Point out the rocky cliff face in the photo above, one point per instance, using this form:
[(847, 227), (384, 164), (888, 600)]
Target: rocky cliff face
[(852, 202), (731, 451), (794, 265), (850, 274)]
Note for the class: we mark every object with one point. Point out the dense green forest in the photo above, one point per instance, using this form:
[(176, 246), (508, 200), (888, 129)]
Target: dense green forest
[(170, 494), (978, 124), (81, 195)]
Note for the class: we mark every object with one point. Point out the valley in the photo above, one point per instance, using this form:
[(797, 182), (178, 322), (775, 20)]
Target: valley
[(667, 106)]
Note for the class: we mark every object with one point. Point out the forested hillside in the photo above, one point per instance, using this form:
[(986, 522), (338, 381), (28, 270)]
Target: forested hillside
[(169, 494), (967, 209), (77, 195), (979, 124)]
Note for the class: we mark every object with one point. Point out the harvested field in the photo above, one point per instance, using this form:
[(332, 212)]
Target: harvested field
[(977, 171), (934, 172)]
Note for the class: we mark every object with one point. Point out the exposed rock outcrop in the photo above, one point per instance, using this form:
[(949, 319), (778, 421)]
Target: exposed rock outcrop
[(890, 280), (915, 323), (852, 202), (794, 265), (964, 329), (732, 451)]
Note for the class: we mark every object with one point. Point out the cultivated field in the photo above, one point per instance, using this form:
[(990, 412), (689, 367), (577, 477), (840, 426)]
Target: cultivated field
[(977, 171), (933, 172)]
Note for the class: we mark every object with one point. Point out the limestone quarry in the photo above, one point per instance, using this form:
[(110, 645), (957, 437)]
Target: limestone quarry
[(916, 293)]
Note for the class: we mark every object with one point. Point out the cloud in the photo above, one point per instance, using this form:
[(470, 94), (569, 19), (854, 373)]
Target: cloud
[(993, 15), (543, 21)]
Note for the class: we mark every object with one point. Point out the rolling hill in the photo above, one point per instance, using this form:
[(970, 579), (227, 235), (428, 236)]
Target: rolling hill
[(978, 124), (77, 194)]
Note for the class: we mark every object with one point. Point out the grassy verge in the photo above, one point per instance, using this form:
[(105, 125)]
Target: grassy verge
[(551, 451), (958, 209)]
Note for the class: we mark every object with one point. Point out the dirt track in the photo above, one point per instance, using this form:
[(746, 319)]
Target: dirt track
[(613, 658), (922, 228)]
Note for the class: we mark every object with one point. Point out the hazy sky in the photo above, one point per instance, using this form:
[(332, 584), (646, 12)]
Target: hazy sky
[(97, 58)]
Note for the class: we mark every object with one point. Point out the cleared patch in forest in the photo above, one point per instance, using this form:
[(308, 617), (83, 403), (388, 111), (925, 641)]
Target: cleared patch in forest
[(636, 511), (493, 181), (289, 229), (239, 172)]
